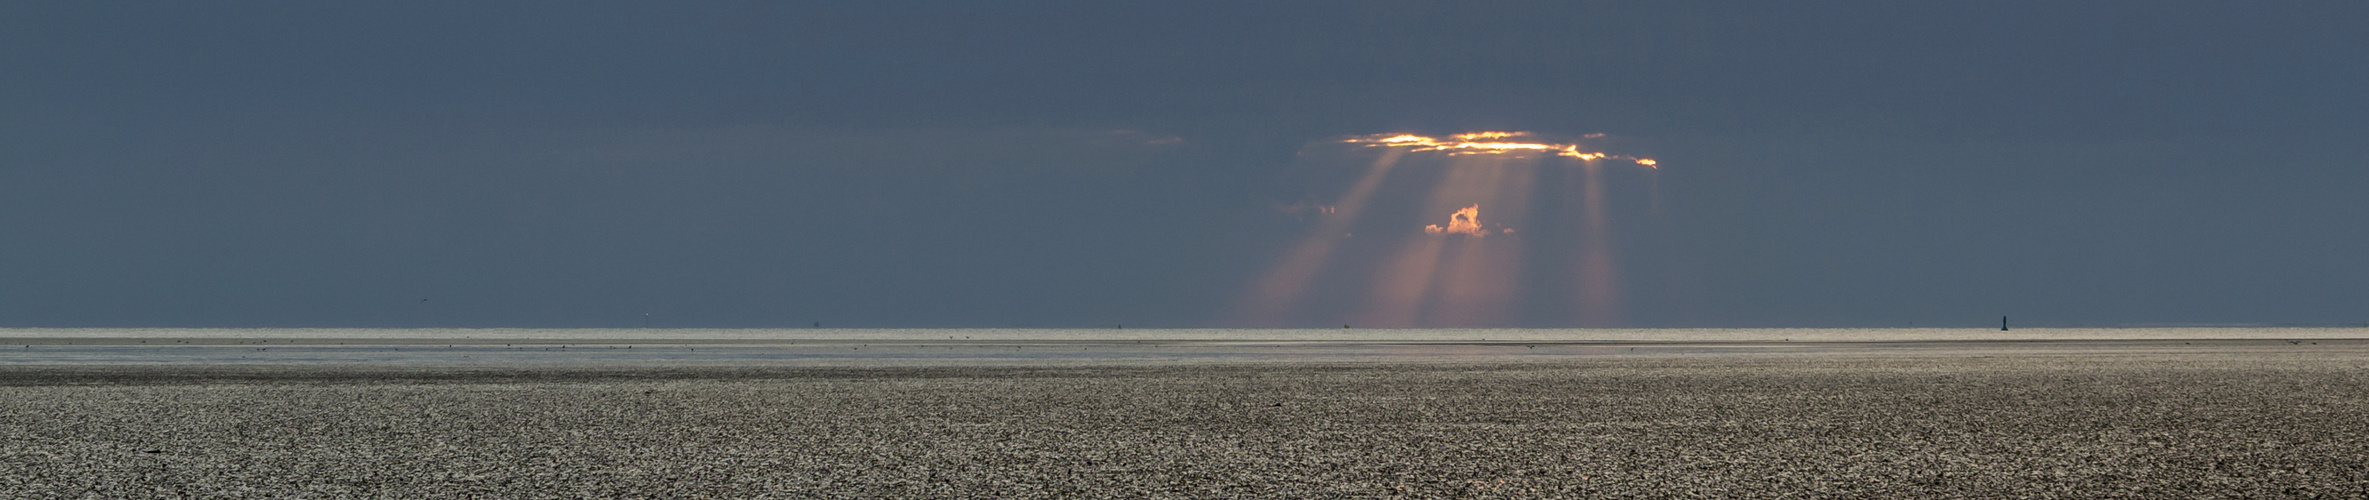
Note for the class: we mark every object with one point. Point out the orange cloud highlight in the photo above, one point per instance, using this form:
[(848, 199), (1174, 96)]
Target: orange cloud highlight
[(1488, 143), (1466, 222)]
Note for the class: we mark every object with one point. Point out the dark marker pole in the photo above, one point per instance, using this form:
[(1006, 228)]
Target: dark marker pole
[(2002, 323)]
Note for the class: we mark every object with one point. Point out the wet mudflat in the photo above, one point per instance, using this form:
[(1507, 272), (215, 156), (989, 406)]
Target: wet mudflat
[(2277, 421)]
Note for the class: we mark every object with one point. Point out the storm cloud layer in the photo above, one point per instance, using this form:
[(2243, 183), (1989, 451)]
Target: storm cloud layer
[(723, 164)]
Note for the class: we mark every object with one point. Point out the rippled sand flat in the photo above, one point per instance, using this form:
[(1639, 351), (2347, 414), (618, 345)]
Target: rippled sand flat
[(2250, 418)]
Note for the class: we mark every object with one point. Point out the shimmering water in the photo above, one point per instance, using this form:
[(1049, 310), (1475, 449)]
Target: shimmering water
[(865, 347)]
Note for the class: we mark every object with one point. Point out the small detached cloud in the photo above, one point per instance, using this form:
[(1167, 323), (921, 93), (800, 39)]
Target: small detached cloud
[(1126, 136), (1465, 222), (1306, 207)]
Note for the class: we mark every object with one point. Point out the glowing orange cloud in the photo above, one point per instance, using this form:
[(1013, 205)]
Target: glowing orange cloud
[(1486, 143), (1466, 222)]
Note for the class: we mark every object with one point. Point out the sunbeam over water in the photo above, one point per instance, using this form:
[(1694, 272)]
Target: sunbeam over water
[(1453, 232)]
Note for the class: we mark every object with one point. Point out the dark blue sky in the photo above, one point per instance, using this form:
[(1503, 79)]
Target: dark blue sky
[(968, 164)]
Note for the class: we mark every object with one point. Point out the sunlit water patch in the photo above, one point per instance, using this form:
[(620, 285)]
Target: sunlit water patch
[(1032, 346)]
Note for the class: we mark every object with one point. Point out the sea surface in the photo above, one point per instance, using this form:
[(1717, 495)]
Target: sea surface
[(926, 347)]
